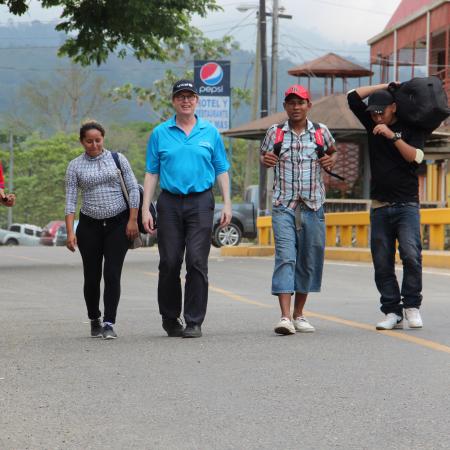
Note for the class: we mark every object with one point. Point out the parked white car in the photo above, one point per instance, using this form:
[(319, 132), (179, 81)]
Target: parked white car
[(20, 234)]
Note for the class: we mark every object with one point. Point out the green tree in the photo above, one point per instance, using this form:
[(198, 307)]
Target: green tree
[(39, 171), (146, 27), (158, 95), (239, 179), (58, 104), (131, 140)]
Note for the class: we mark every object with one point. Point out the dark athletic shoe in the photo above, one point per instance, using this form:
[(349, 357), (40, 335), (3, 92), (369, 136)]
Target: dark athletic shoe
[(192, 331), (173, 327), (96, 328), (108, 332)]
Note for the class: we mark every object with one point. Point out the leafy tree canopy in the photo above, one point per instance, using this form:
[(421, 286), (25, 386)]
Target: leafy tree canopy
[(148, 27)]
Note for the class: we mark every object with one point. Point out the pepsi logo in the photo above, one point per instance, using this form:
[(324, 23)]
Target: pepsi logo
[(211, 73)]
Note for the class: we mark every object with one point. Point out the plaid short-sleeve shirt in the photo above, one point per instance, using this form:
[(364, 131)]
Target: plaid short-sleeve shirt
[(298, 175)]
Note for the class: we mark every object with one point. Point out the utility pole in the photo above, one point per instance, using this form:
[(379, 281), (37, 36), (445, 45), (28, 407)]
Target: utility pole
[(277, 13), (257, 75), (11, 172), (263, 47), (263, 50), (252, 148), (274, 61), (276, 10)]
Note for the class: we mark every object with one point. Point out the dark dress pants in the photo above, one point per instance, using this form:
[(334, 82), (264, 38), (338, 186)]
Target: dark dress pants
[(184, 226), (100, 240)]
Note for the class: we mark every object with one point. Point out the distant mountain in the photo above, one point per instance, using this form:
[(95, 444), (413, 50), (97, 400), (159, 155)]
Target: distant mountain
[(29, 52)]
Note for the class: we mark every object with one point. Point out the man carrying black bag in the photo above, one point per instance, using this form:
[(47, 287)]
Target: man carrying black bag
[(395, 151)]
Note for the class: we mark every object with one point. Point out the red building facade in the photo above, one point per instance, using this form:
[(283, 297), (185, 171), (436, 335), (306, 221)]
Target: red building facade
[(416, 42)]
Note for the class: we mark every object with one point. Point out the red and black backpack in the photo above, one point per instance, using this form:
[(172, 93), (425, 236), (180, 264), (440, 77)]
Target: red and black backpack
[(318, 137)]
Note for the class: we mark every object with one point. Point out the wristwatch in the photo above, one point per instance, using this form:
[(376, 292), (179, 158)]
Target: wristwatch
[(396, 137)]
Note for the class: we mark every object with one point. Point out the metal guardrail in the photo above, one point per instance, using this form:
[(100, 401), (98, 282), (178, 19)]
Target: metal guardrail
[(351, 229), (346, 205)]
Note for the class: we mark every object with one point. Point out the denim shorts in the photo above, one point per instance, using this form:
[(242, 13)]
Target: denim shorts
[(299, 253)]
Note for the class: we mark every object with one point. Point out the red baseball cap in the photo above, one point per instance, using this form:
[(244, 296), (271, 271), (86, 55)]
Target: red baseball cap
[(297, 90)]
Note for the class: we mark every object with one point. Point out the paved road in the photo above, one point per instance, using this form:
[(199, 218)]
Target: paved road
[(239, 387)]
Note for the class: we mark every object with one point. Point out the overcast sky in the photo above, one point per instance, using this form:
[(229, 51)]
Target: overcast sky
[(334, 24)]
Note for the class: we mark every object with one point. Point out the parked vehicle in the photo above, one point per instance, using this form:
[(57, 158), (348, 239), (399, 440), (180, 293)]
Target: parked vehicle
[(61, 234), (20, 234), (243, 222), (48, 236)]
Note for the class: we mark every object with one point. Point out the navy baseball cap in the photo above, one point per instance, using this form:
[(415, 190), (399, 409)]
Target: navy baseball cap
[(378, 101), (184, 85)]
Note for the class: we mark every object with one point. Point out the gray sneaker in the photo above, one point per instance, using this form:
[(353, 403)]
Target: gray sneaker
[(108, 332), (96, 328)]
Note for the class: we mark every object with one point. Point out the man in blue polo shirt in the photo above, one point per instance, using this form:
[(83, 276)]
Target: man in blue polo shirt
[(186, 154)]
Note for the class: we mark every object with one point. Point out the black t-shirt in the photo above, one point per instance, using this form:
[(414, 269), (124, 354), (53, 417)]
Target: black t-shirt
[(393, 178)]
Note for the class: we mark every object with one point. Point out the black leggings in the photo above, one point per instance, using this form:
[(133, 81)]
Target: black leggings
[(98, 240)]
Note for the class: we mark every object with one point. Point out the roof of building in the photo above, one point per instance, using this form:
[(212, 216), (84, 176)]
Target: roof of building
[(330, 65), (405, 9), (331, 110)]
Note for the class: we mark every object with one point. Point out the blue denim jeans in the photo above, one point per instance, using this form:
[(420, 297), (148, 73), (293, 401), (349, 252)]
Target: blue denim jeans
[(299, 253), (399, 222)]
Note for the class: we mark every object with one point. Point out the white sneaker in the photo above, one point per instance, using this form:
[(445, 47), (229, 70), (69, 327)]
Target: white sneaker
[(301, 324), (412, 315), (391, 322), (284, 326)]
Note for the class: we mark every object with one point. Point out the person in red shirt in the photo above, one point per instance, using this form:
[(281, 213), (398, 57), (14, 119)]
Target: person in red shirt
[(5, 199)]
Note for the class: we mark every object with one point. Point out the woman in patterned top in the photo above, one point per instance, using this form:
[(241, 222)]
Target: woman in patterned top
[(106, 224)]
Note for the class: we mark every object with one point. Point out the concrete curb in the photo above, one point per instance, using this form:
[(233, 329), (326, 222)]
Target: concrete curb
[(439, 259)]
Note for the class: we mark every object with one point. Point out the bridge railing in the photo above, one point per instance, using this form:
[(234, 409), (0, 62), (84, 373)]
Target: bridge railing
[(352, 229)]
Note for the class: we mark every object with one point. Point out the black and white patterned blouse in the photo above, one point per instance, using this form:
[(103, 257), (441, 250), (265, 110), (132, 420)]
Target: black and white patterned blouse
[(98, 181)]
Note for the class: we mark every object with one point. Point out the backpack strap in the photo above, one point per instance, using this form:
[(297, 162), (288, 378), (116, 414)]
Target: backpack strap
[(320, 145), (279, 136), (320, 142)]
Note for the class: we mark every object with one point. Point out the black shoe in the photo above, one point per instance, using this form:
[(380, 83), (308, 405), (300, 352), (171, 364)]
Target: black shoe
[(96, 328), (173, 327), (108, 332), (192, 331)]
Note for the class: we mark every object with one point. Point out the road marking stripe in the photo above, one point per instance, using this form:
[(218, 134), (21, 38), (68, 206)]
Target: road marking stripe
[(396, 334), (27, 258), (350, 323), (153, 274), (239, 298)]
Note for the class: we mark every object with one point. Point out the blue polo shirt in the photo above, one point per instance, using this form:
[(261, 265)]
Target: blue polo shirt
[(186, 164)]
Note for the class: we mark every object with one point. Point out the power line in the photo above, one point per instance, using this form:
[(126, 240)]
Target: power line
[(338, 5), (310, 47), (124, 69), (31, 47), (26, 22)]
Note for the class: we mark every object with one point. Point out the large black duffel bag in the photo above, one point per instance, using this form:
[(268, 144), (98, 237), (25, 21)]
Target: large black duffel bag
[(421, 102)]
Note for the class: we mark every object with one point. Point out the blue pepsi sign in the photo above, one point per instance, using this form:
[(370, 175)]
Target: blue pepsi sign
[(212, 78)]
